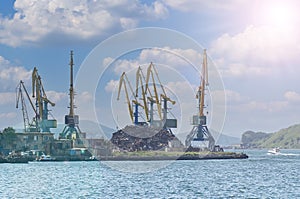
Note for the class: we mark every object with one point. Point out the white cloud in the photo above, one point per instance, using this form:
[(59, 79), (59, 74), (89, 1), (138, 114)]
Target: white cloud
[(107, 61), (203, 5), (85, 97), (111, 85), (11, 75), (232, 97), (169, 56), (159, 10), (181, 91), (292, 96), (277, 106), (36, 20), (125, 65), (175, 58), (128, 23), (81, 99), (55, 97), (251, 106), (263, 43), (263, 50), (243, 104)]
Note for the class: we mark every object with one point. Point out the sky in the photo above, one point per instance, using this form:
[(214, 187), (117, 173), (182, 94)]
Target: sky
[(253, 46)]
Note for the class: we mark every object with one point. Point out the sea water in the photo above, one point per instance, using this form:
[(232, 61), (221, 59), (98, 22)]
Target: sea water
[(260, 176)]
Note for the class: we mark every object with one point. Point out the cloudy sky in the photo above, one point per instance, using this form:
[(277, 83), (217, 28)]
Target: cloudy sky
[(254, 44)]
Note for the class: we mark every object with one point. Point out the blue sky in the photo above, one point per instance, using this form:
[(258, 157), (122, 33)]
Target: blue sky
[(255, 46)]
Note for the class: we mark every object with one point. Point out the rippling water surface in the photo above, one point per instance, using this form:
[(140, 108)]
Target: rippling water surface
[(260, 176)]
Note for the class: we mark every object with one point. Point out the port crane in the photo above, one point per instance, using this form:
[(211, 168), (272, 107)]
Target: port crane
[(20, 98), (200, 131), (133, 115), (41, 121), (156, 96), (166, 123), (140, 79), (71, 129), (140, 82), (41, 103)]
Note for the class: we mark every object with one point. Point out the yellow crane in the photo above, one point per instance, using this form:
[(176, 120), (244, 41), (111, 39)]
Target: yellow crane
[(38, 91), (203, 83), (42, 101), (140, 79), (156, 96), (200, 131), (151, 71), (133, 115)]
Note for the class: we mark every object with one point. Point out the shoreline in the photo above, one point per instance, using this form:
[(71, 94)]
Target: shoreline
[(135, 156), (188, 156)]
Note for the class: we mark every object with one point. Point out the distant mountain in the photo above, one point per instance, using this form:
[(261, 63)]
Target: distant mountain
[(222, 139), (284, 138), (92, 129), (227, 140), (250, 139)]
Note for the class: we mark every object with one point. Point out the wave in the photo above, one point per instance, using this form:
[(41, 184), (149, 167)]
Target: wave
[(285, 154)]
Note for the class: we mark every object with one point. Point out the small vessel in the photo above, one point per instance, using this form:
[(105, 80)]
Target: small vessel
[(274, 151), (45, 158)]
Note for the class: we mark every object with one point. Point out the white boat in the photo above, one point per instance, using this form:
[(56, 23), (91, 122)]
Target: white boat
[(45, 158), (274, 151)]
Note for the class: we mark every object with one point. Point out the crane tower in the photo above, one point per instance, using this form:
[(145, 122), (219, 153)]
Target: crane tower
[(71, 129), (200, 132)]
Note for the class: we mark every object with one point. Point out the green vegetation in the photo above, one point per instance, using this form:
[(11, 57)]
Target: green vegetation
[(285, 138), (148, 153), (167, 154), (8, 135)]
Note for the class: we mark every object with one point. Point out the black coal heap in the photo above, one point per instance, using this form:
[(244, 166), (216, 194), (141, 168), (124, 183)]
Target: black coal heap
[(142, 138)]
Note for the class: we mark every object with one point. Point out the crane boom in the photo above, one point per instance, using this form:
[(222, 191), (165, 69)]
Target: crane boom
[(38, 91), (203, 84), (123, 81), (139, 80), (42, 101), (24, 109), (20, 97), (150, 73)]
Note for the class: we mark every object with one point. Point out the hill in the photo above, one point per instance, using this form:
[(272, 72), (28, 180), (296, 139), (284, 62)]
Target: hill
[(227, 140), (284, 138), (91, 129), (221, 139)]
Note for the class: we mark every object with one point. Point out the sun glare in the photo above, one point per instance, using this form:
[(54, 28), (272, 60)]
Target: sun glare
[(280, 15)]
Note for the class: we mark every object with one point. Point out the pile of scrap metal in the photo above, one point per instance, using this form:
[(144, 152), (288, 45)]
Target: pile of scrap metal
[(216, 148), (142, 138)]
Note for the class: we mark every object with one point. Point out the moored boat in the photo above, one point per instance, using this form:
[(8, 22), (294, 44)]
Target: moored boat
[(45, 158)]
